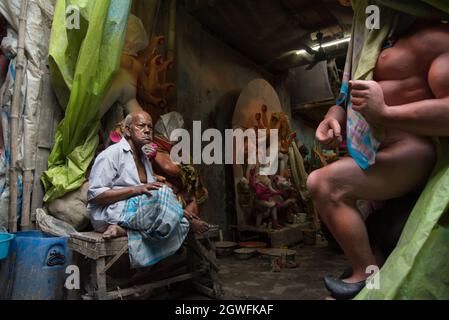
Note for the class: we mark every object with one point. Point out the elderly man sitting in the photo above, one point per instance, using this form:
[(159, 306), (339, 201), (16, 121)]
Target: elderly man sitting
[(126, 198)]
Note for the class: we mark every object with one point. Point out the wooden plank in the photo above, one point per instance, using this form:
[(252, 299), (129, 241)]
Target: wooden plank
[(100, 279), (203, 252), (218, 290), (94, 250), (83, 249), (111, 249), (136, 290), (208, 292), (96, 237), (50, 115), (115, 258)]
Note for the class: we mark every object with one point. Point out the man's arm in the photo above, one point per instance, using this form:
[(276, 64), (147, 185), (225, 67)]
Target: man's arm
[(167, 165), (329, 132), (338, 113), (428, 117), (112, 196), (101, 191)]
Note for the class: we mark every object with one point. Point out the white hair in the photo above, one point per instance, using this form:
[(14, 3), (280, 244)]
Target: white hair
[(128, 120)]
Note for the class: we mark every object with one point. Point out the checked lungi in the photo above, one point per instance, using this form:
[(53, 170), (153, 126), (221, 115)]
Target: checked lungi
[(156, 227)]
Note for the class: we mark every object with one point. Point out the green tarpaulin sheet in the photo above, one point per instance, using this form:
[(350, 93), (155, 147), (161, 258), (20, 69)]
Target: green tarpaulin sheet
[(418, 268), (83, 62)]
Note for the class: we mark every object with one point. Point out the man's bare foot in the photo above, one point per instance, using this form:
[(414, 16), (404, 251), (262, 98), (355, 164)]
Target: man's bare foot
[(196, 224), (114, 231), (199, 226)]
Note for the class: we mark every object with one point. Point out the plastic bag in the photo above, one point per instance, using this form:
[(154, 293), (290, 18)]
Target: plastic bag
[(52, 225)]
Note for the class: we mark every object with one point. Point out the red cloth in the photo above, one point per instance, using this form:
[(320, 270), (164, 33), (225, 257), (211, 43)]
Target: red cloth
[(261, 190), (163, 144)]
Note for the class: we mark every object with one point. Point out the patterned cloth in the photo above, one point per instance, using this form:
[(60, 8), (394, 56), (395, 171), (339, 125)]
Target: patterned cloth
[(191, 181), (190, 178), (363, 140), (155, 225)]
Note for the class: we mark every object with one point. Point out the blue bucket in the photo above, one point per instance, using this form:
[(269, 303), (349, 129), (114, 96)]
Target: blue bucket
[(35, 268), (5, 241)]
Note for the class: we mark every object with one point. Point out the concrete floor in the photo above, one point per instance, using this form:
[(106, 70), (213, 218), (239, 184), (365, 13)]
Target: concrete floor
[(253, 278)]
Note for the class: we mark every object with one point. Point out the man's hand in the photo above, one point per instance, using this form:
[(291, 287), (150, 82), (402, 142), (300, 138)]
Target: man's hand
[(328, 133), (114, 195), (367, 98), (146, 188)]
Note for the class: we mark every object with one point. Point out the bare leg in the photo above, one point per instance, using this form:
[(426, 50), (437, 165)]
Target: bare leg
[(399, 168)]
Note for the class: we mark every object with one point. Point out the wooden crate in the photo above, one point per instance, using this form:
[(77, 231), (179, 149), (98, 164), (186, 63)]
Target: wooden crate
[(98, 250)]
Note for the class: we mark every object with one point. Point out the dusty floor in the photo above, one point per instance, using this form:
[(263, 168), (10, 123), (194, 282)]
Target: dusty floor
[(253, 278)]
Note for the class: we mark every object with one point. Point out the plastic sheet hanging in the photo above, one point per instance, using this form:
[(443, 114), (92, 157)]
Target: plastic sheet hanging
[(83, 62)]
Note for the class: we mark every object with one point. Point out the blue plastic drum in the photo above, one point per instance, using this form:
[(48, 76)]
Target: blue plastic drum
[(36, 266)]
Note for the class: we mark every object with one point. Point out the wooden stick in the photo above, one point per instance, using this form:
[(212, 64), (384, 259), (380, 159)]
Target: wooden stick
[(14, 121), (136, 290), (204, 290), (202, 252), (25, 221), (115, 258)]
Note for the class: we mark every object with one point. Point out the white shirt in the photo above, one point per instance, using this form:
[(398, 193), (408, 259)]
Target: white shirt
[(114, 168)]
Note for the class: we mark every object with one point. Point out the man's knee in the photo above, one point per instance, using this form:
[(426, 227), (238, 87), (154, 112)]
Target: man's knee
[(317, 184), (323, 186)]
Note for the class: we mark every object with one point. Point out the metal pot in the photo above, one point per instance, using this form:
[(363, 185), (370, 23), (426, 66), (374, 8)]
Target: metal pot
[(244, 253), (225, 248)]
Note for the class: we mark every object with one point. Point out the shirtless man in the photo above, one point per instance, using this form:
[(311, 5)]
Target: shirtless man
[(409, 98)]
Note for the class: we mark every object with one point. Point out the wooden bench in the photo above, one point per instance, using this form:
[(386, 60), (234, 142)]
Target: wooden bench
[(104, 253)]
